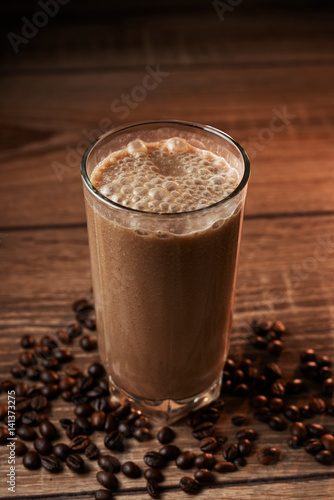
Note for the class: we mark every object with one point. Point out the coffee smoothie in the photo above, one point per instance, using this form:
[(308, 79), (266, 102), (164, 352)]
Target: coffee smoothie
[(164, 288)]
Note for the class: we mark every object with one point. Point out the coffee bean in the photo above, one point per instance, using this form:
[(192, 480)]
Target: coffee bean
[(92, 452), (152, 488), (185, 460), (275, 347), (3, 410), (230, 452), (125, 428), (259, 383), (109, 463), (209, 445), (26, 433), (103, 495), (66, 383), (207, 414), (299, 430), (51, 463), (50, 391), (224, 467), (107, 479), (316, 430), (96, 370), (205, 461), (141, 434), (154, 459), (306, 412), (258, 342), (327, 387), (61, 451), (277, 424), (247, 434), (292, 413), (130, 469), (324, 457), (328, 442), (63, 355), (325, 372), (20, 448), (310, 370), (75, 463), (259, 401), (65, 422), (79, 443), (114, 441), (165, 435), (48, 429), (31, 460), (4, 435), (141, 421), (244, 447), (72, 371), (43, 446), (262, 414), (313, 446), (153, 475), (330, 409), (103, 383), (277, 389), (294, 386), (169, 452), (294, 442), (50, 363), (269, 456), (27, 341), (23, 404), (33, 373), (307, 355), (317, 405), (111, 423), (18, 371), (30, 418), (273, 371), (204, 476), (241, 390), (240, 461), (27, 358), (90, 323), (73, 329), (229, 365), (276, 404), (42, 352), (73, 430), (239, 420), (88, 343), (204, 429), (101, 403), (97, 419), (189, 485)]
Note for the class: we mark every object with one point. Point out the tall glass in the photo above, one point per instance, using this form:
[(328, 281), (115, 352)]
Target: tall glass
[(164, 284)]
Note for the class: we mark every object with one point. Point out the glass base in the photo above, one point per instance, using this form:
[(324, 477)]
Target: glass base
[(168, 410)]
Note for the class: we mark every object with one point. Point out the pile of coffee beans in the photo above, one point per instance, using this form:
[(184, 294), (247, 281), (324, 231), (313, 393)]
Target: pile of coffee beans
[(45, 371)]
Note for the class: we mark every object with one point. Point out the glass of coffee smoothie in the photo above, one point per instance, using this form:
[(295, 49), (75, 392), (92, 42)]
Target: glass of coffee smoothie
[(164, 204)]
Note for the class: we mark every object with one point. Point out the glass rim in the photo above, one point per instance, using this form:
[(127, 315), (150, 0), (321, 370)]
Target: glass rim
[(207, 128)]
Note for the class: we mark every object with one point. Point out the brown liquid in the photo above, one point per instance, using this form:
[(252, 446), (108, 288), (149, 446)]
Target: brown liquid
[(164, 302)]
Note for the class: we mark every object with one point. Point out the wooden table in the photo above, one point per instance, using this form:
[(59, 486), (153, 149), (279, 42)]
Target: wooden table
[(264, 78)]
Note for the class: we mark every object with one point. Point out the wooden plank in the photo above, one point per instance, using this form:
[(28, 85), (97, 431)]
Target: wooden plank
[(44, 139)]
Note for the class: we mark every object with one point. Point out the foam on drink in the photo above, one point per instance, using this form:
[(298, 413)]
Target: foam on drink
[(168, 176)]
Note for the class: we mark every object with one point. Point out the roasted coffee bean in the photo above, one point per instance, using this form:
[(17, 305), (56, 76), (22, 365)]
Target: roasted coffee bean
[(65, 422), (32, 373), (229, 365), (26, 433), (241, 390), (109, 463), (244, 447), (92, 452), (96, 370), (73, 329), (142, 434), (111, 423), (324, 457), (63, 336), (23, 404), (43, 446), (330, 409), (276, 404), (88, 343), (130, 469), (48, 429), (50, 463), (125, 428), (133, 416), (269, 456), (273, 371), (204, 476), (259, 401), (277, 389), (189, 485), (169, 452), (262, 414), (31, 460), (239, 420), (27, 341), (49, 342), (114, 441), (247, 434), (299, 430), (226, 387), (317, 405), (98, 419), (3, 410), (204, 429), (208, 414), (21, 389), (107, 479), (73, 371), (152, 488), (27, 358), (294, 442), (240, 461), (278, 327), (101, 403), (327, 387), (20, 448), (324, 361), (66, 383), (123, 411), (82, 305), (50, 391), (238, 376), (325, 372), (50, 363), (224, 467), (292, 413), (209, 444), (90, 323), (310, 370), (153, 475), (277, 424), (275, 347), (141, 421), (103, 495), (259, 383), (4, 435), (61, 451), (316, 430), (66, 396), (205, 461), (295, 386), (73, 430), (42, 352), (258, 342), (307, 355), (328, 442), (49, 377), (313, 446), (79, 397), (63, 355), (30, 418), (165, 435), (79, 443), (75, 463), (306, 412), (18, 371), (85, 383), (230, 452), (185, 460), (103, 383), (154, 459)]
